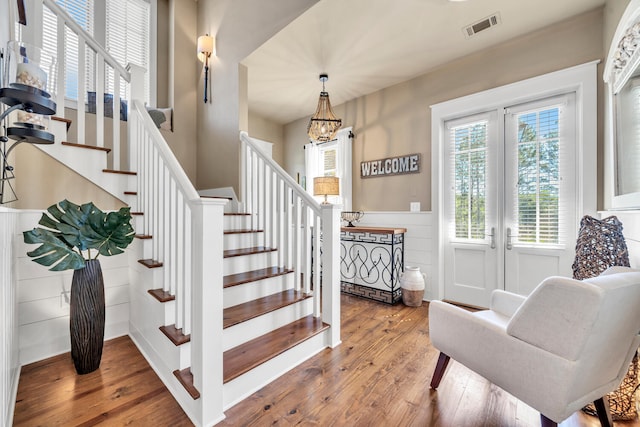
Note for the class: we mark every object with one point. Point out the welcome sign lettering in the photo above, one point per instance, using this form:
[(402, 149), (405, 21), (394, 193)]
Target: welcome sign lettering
[(390, 166)]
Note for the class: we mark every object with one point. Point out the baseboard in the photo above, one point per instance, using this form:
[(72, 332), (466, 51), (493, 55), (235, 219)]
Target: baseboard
[(13, 395), (188, 405)]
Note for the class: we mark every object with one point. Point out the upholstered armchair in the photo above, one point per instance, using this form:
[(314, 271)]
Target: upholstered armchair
[(567, 344)]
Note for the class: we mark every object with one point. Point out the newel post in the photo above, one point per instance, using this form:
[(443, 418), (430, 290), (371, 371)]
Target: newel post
[(206, 303), (136, 84), (331, 270)]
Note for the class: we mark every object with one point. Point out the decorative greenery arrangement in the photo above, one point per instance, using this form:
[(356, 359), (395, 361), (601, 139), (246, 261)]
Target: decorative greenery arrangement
[(71, 230)]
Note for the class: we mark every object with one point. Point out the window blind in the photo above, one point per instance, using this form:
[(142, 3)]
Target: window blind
[(82, 12), (468, 145), (540, 158), (127, 38)]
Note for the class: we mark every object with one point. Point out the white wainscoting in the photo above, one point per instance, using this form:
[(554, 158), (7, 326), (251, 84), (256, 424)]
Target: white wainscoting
[(631, 230), (43, 299), (418, 244), (9, 358)]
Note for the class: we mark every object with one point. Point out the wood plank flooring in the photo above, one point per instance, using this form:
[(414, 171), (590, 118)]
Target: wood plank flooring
[(378, 376)]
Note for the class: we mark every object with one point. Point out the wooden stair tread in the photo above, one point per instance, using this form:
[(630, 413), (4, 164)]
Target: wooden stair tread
[(236, 214), (150, 263), (175, 335), (242, 230), (247, 356), (247, 251), (186, 379), (143, 236), (136, 213), (252, 276), (161, 295), (255, 308), (131, 193), (119, 172), (90, 147), (62, 119)]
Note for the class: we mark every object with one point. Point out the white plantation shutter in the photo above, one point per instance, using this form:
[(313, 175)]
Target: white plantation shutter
[(127, 38), (539, 198), (333, 158), (468, 146)]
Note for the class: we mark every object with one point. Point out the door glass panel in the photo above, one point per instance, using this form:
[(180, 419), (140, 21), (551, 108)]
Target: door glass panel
[(470, 161), (538, 189)]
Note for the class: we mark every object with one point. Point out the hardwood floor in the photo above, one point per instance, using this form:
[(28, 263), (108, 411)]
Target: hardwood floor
[(378, 376)]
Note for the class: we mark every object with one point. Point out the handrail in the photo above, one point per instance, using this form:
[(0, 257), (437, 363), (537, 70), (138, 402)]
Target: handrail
[(71, 23), (167, 155), (306, 197)]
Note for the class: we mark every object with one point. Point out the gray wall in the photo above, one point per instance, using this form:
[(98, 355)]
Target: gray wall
[(397, 120)]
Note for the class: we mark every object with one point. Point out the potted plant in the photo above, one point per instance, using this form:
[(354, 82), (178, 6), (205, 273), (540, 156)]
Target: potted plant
[(73, 237)]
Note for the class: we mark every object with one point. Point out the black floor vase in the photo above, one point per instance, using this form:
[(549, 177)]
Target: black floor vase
[(87, 317)]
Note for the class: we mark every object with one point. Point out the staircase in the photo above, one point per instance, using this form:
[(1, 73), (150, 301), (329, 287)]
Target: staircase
[(221, 303)]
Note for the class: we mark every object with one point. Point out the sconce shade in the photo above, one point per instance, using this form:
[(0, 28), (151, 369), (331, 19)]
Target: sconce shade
[(206, 44), (324, 124), (326, 186)]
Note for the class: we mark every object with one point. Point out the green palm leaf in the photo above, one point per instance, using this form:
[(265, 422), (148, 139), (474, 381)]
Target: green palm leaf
[(82, 227)]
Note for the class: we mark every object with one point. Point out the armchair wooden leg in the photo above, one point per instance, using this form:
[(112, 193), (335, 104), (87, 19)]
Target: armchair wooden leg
[(546, 422), (604, 415), (438, 373)]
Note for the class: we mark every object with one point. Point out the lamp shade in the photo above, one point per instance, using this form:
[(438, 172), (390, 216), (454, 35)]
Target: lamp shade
[(326, 186), (206, 44)]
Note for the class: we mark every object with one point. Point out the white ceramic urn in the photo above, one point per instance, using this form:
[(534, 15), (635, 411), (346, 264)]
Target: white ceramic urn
[(412, 282)]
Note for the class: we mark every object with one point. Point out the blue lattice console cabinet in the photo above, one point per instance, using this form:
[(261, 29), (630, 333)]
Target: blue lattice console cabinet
[(371, 260)]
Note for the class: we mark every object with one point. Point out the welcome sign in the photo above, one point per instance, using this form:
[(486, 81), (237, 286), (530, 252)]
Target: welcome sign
[(390, 166)]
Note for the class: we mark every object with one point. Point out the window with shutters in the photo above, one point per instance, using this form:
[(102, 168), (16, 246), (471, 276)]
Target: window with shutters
[(82, 12), (126, 36), (538, 187), (469, 152), (327, 159)]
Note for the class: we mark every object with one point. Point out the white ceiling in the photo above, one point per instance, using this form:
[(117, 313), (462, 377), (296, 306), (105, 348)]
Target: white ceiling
[(367, 45)]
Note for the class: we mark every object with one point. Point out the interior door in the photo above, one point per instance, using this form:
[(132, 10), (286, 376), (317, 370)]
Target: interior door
[(510, 199)]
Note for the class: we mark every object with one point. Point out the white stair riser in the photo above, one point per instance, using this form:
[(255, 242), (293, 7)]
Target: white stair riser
[(240, 294), (243, 240), (149, 278), (246, 331), (131, 200), (237, 222), (247, 384), (241, 264), (146, 317)]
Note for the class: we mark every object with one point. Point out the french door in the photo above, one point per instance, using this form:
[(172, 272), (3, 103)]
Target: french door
[(510, 199)]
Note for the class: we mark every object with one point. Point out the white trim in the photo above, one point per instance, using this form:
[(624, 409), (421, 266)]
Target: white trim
[(613, 82), (630, 14), (581, 79)]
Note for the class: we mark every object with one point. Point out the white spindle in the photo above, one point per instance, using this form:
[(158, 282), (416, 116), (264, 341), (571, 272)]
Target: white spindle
[(116, 119), (60, 83), (316, 265), (81, 84), (100, 64)]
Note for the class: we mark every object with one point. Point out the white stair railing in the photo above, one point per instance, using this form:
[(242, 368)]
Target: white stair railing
[(73, 41), (187, 235), (306, 234)]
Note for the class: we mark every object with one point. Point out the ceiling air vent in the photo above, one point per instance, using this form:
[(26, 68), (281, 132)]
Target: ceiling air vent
[(483, 24)]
